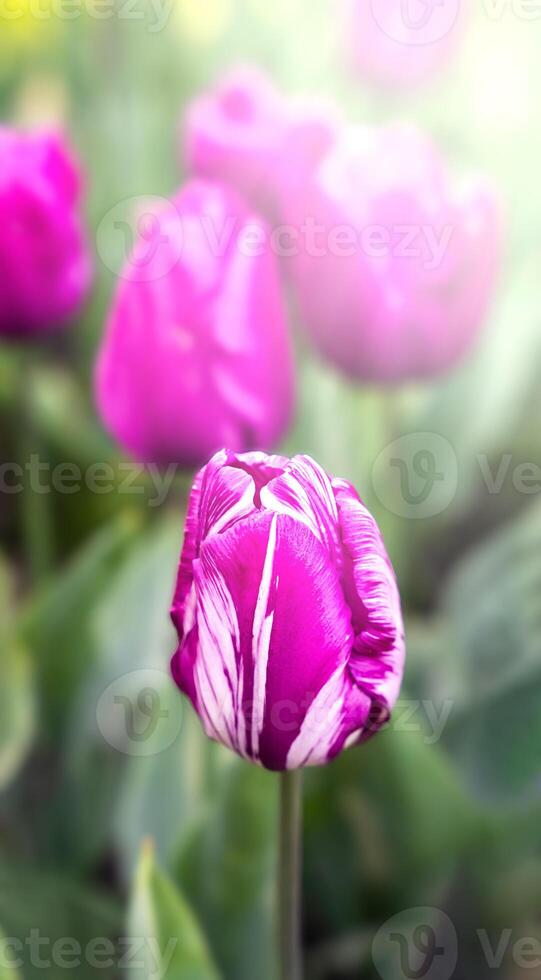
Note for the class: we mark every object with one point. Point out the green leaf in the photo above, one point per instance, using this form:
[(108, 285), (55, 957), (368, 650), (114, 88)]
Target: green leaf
[(494, 604), (8, 956), (227, 868), (172, 946), (41, 911), (389, 814), (57, 625), (175, 775), (17, 709), (63, 416), (17, 690), (105, 768)]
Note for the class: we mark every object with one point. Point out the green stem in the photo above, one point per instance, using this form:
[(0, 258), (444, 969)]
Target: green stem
[(289, 875), (36, 516)]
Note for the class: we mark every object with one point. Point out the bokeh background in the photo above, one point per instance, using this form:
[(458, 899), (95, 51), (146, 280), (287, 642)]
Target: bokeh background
[(107, 835)]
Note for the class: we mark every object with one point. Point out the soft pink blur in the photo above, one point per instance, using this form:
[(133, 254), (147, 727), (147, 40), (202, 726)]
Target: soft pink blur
[(196, 353), (401, 43), (248, 134), (46, 265), (396, 263)]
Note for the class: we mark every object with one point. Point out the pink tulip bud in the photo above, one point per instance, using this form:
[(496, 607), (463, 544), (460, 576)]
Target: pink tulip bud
[(46, 266), (396, 263), (196, 351), (288, 614), (249, 135), (235, 134), (403, 43)]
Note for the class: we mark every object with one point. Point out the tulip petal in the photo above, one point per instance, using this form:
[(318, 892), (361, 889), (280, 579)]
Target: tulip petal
[(336, 717), (377, 660), (305, 492), (220, 495), (272, 630)]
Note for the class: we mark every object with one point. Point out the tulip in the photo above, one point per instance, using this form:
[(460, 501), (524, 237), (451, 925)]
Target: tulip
[(287, 610), (46, 266), (196, 351), (397, 263), (246, 133), (399, 44)]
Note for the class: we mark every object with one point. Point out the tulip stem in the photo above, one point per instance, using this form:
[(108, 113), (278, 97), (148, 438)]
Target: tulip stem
[(289, 875)]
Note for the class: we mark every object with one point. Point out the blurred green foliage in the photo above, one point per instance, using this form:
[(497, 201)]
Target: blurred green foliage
[(408, 820)]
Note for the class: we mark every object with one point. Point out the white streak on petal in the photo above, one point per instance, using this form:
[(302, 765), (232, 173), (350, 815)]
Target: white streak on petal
[(216, 671), (241, 508), (304, 492), (261, 636), (321, 725)]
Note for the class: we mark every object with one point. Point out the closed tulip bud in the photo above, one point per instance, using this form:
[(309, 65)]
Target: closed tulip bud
[(46, 265), (397, 263), (235, 134), (286, 605), (196, 350), (246, 133), (399, 44)]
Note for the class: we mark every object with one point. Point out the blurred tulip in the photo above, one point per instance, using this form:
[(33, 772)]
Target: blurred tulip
[(46, 266), (401, 43), (396, 264), (196, 352), (249, 135), (288, 615)]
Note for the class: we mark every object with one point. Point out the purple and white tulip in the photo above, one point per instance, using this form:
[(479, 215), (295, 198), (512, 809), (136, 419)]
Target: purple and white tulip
[(287, 609)]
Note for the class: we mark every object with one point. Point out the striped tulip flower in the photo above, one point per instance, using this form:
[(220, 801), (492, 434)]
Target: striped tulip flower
[(288, 614)]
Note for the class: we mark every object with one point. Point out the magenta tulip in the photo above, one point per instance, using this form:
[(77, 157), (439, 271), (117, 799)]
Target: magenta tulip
[(196, 351), (396, 263), (398, 44), (46, 265), (246, 133), (288, 615)]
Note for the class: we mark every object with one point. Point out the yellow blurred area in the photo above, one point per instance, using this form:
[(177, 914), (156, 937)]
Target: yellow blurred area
[(25, 25), (204, 22)]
